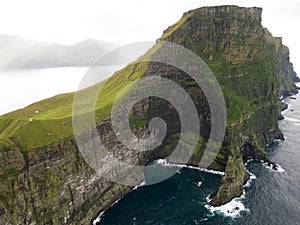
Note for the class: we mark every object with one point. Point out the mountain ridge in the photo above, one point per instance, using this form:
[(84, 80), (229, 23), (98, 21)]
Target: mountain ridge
[(54, 184), (18, 52)]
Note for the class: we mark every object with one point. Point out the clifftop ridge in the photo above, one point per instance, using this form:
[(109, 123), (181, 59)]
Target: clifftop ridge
[(44, 178)]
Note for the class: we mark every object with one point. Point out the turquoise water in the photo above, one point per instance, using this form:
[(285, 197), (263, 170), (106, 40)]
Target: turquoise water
[(273, 198)]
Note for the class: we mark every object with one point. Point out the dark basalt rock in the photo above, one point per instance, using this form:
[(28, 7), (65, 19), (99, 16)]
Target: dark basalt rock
[(52, 184)]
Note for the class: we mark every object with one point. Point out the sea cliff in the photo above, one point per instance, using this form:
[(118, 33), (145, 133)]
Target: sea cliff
[(44, 178)]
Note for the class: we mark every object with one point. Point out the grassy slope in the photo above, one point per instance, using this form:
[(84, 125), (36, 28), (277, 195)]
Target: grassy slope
[(55, 113), (237, 77), (177, 25), (54, 120)]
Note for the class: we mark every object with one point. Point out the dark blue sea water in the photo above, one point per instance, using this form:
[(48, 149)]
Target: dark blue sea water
[(273, 198)]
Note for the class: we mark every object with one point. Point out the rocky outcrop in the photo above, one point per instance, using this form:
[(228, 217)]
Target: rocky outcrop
[(287, 75), (253, 69), (52, 184)]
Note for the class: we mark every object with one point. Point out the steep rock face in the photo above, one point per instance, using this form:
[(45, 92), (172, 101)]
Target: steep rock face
[(253, 69), (52, 184), (287, 75)]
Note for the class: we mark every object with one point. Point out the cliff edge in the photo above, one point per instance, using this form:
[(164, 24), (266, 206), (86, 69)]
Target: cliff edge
[(45, 180)]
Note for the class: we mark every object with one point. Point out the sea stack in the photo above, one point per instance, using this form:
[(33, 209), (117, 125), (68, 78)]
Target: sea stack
[(45, 179)]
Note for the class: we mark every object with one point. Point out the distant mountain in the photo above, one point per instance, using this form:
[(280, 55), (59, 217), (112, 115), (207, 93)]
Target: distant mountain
[(19, 52), (44, 178)]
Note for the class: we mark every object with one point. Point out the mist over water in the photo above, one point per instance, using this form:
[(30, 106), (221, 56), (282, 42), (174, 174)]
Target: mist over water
[(270, 199), (21, 87)]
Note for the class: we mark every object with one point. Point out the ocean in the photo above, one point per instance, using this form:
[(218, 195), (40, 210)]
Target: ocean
[(270, 197)]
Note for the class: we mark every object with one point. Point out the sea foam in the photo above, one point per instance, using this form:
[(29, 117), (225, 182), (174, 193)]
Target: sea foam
[(279, 168), (292, 119), (161, 162), (98, 219), (164, 162), (233, 208)]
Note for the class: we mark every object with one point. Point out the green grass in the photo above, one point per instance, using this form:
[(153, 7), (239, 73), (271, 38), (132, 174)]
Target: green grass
[(8, 173), (175, 27), (54, 120), (138, 123), (242, 92)]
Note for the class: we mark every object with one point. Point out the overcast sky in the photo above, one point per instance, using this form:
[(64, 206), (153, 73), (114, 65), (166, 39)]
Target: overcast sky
[(119, 21)]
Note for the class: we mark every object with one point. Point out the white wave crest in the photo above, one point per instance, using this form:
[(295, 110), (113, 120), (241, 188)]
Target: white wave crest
[(98, 219), (292, 119), (266, 164), (280, 169), (252, 177), (231, 209), (271, 167), (140, 185), (164, 162), (235, 206)]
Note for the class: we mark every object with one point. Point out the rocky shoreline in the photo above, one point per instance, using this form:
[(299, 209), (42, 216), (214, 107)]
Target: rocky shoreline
[(52, 183)]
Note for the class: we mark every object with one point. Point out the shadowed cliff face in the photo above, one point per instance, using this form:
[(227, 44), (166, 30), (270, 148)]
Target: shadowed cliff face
[(252, 68), (52, 184), (287, 75)]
